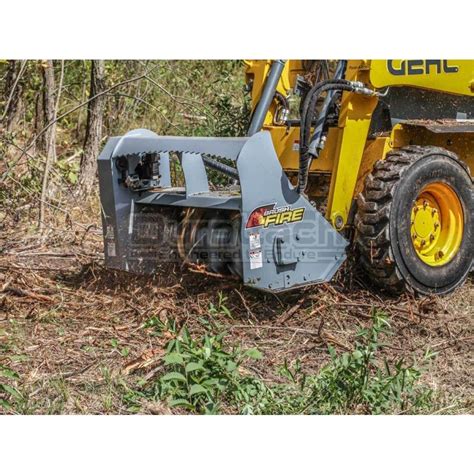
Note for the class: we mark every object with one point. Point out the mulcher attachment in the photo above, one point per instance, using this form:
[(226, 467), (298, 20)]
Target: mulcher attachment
[(263, 230)]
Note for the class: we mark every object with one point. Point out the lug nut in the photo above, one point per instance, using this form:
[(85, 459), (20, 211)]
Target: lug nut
[(432, 237), (423, 242)]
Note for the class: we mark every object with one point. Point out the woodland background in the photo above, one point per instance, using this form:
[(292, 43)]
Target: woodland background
[(56, 115)]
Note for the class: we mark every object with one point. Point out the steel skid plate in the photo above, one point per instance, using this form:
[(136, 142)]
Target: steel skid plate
[(284, 241)]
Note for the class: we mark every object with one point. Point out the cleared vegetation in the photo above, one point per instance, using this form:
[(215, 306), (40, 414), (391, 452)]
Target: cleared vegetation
[(77, 338)]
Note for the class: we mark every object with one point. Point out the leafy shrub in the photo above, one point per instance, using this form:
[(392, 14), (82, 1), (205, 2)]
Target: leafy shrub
[(202, 376), (359, 382)]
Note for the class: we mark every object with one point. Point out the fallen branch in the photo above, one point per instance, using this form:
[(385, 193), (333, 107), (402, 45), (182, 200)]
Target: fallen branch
[(145, 360), (249, 311), (322, 335), (290, 312), (192, 267), (26, 293)]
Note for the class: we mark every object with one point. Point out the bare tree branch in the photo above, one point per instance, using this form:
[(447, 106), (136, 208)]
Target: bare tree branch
[(33, 159), (182, 100), (143, 101)]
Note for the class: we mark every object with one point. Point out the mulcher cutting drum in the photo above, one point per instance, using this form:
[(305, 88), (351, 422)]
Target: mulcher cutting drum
[(262, 230)]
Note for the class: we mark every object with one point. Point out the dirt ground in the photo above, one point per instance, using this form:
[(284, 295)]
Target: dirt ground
[(74, 331)]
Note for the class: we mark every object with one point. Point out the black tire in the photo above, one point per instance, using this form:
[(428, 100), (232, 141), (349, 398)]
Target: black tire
[(382, 222)]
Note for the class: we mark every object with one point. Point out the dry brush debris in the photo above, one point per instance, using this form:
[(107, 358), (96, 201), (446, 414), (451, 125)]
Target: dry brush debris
[(74, 331)]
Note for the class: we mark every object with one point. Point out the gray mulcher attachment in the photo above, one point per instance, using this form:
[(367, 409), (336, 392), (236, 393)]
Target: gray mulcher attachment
[(262, 230)]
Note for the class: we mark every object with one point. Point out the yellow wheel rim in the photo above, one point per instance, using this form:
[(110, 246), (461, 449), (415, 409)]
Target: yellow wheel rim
[(437, 224)]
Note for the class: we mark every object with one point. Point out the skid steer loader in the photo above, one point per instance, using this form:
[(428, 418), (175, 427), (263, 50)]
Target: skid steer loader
[(378, 157)]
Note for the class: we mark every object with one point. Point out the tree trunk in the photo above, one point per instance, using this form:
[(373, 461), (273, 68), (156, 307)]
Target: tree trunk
[(95, 112), (51, 108), (13, 89), (9, 118), (38, 124), (48, 144)]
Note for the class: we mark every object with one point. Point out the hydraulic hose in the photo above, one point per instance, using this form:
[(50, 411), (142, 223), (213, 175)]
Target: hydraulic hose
[(308, 110), (307, 119), (314, 143), (221, 167), (281, 114)]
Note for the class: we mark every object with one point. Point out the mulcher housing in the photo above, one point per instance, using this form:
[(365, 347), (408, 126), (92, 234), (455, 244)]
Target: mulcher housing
[(284, 241)]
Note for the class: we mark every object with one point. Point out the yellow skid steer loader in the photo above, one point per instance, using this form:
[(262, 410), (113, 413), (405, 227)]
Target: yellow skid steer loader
[(370, 153)]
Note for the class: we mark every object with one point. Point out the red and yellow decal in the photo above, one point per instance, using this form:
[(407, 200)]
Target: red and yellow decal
[(266, 216)]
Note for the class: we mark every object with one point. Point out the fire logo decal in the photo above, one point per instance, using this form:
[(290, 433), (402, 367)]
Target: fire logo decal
[(266, 216)]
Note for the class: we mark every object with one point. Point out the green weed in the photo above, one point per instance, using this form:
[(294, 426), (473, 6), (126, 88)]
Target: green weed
[(9, 394), (201, 375), (356, 382), (220, 308)]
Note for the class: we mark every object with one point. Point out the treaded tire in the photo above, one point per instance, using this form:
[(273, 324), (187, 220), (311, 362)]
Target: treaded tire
[(382, 221)]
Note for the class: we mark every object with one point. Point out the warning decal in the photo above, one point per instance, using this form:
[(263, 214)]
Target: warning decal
[(256, 260), (254, 241)]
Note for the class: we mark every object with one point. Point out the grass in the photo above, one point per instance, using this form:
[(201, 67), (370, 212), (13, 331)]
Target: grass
[(9, 394)]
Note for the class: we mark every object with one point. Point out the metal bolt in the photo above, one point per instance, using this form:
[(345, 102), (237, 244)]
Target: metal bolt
[(432, 237), (433, 212), (339, 222), (423, 242), (425, 204), (414, 236), (436, 225)]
